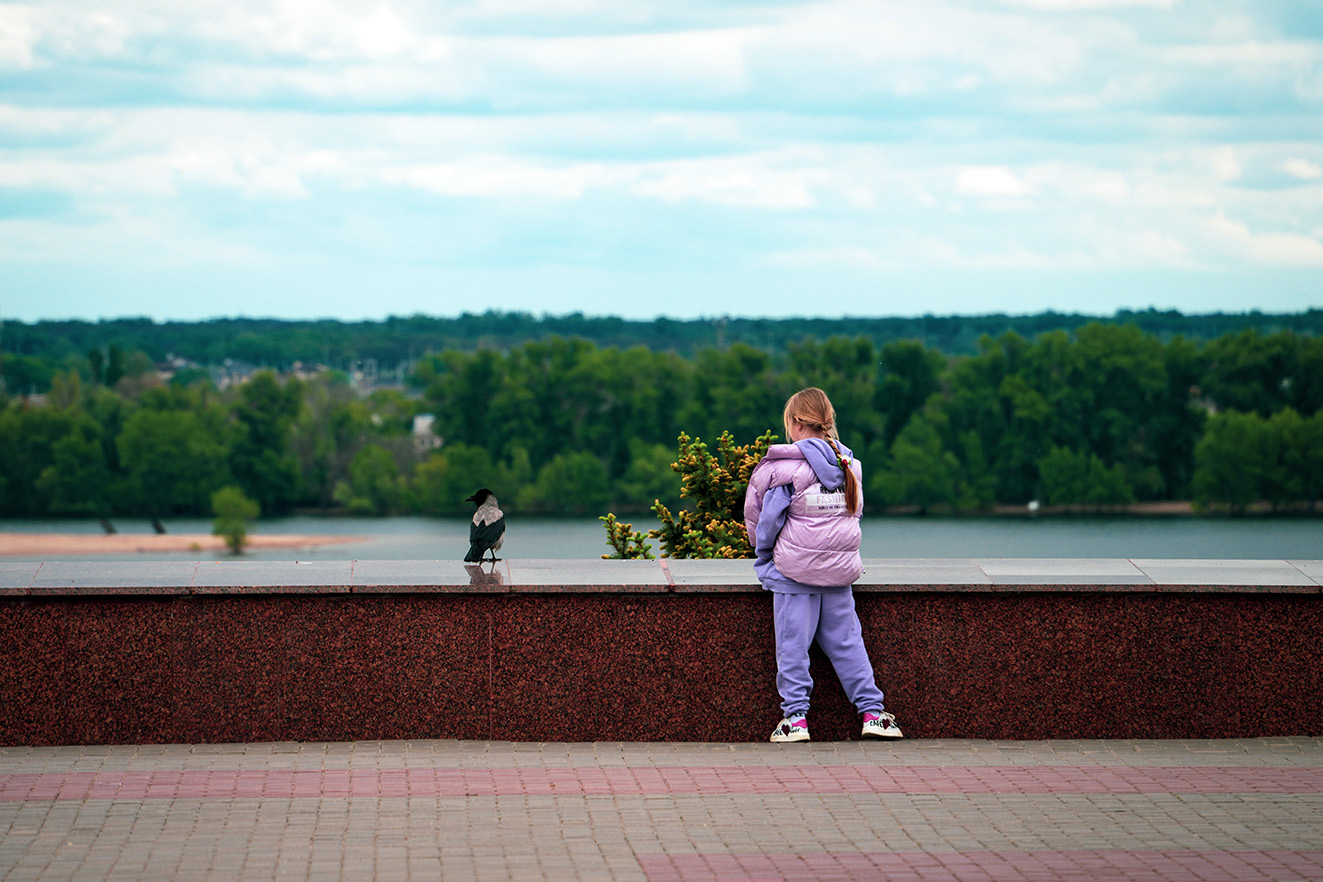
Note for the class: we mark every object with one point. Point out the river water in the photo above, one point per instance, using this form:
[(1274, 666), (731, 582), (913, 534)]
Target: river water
[(416, 538)]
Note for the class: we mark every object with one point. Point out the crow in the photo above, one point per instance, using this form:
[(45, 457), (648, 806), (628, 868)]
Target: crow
[(487, 531)]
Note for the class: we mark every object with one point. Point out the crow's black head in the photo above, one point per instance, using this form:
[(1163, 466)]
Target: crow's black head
[(480, 497)]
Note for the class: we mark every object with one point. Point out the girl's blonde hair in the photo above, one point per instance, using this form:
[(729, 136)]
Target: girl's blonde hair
[(812, 408)]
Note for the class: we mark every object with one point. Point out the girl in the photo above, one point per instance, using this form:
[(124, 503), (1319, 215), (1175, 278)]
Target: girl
[(802, 513)]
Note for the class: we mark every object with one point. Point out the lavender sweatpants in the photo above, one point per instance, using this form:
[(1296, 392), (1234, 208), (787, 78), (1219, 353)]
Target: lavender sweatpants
[(830, 619)]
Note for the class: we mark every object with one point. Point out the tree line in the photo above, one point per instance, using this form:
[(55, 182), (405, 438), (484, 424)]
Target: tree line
[(31, 353), (1099, 416)]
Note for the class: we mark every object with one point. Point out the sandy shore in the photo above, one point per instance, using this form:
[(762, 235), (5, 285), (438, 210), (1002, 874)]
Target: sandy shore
[(120, 543)]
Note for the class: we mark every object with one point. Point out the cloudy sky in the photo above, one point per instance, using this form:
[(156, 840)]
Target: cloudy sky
[(365, 158)]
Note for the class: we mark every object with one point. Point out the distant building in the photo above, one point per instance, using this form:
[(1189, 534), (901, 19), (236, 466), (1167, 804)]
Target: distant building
[(232, 373), (301, 371), (425, 437)]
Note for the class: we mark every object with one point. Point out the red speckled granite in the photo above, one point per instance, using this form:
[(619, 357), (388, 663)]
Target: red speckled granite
[(642, 650)]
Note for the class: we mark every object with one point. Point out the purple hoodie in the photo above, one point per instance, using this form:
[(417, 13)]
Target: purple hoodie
[(805, 541)]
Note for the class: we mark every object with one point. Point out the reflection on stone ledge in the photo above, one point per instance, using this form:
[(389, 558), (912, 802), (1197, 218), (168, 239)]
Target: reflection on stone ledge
[(486, 578)]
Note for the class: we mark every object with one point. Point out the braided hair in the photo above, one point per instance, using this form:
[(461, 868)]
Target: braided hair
[(812, 408)]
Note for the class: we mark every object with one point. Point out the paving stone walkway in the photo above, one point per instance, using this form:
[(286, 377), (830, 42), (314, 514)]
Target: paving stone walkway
[(928, 811)]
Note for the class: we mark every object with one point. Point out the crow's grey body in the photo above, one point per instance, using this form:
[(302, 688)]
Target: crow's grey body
[(487, 531)]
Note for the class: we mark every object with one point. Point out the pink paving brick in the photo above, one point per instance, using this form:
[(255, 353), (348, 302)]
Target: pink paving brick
[(714, 780), (991, 866)]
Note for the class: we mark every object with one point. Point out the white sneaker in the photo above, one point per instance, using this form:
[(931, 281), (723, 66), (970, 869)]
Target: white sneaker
[(881, 725), (791, 729)]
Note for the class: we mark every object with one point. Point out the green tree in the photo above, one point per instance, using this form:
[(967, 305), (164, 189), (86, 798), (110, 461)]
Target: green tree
[(849, 368), (648, 479), (1064, 474), (1251, 372), (1235, 462), (1303, 458), (115, 367), (28, 438), (234, 513), (331, 426), (77, 481), (922, 472), (1174, 430), (908, 378), (1121, 391), (1072, 478), (24, 375), (1304, 390), (172, 462), (740, 390), (571, 483), (1025, 440), (1297, 481), (443, 481), (374, 485), (261, 458), (976, 484), (461, 390), (972, 409)]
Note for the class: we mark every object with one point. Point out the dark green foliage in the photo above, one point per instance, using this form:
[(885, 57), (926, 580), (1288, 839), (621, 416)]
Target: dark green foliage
[(1244, 458), (394, 344), (171, 462), (922, 472), (1073, 479), (261, 459), (77, 482), (443, 481), (909, 375), (573, 482), (1083, 414)]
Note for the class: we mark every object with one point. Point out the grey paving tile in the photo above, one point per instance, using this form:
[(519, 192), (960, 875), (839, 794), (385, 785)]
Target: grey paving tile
[(722, 567), (579, 575), (735, 574), (413, 574), (327, 576), (114, 576), (1311, 568), (1214, 573), (1062, 571), (921, 572), (17, 574)]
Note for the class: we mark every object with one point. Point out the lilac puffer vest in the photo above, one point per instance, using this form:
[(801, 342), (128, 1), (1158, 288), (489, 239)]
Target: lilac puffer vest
[(819, 544)]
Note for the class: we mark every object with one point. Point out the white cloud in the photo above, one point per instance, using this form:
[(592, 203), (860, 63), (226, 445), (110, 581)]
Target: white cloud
[(1112, 245), (854, 50), (1251, 55), (1303, 169), (17, 37), (255, 174), (315, 30), (495, 177), (1100, 185), (744, 182), (684, 66), (1076, 5), (1283, 249), (990, 181)]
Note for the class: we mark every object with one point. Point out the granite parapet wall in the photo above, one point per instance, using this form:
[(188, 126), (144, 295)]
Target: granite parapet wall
[(244, 651)]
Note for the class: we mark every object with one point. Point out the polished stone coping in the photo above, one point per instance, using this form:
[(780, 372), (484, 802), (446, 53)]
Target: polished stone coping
[(664, 576)]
